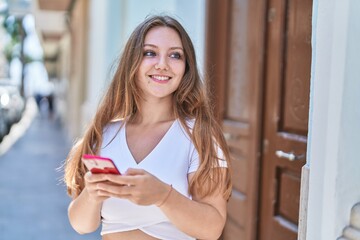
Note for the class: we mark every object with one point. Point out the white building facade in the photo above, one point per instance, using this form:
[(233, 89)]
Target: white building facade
[(334, 126)]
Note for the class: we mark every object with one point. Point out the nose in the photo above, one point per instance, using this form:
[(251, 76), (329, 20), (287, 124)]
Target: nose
[(162, 63)]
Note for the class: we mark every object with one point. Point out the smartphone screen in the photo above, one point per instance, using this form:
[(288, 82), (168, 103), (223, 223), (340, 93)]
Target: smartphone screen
[(97, 164)]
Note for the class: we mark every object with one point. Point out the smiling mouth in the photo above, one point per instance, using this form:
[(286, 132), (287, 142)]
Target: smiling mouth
[(158, 78)]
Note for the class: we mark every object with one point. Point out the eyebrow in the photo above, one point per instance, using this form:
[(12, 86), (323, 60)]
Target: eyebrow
[(154, 46)]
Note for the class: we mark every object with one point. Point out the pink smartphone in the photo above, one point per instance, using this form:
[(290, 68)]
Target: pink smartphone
[(97, 164)]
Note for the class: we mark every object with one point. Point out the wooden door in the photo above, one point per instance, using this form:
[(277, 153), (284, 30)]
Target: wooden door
[(235, 49), (287, 86)]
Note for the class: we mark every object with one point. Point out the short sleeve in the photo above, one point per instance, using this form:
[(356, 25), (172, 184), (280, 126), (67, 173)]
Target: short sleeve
[(222, 161), (194, 160), (194, 155), (195, 163)]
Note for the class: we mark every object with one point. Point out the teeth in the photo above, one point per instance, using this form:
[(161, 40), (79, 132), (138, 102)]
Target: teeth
[(160, 78)]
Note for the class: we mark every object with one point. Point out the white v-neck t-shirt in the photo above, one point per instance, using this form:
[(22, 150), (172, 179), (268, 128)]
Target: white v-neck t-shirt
[(173, 158)]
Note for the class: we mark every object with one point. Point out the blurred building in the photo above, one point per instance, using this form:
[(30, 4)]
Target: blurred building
[(3, 63), (284, 74)]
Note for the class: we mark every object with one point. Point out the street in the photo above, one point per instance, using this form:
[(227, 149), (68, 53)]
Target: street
[(34, 202)]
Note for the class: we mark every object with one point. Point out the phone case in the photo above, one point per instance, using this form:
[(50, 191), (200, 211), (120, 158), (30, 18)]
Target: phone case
[(97, 164)]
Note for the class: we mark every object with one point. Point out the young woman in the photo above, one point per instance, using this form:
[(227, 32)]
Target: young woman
[(156, 124)]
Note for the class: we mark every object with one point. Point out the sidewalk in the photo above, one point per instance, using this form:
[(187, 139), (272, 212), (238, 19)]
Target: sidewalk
[(34, 202)]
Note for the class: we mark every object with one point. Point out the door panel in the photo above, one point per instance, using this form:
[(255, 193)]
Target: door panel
[(240, 124), (238, 204), (287, 79), (237, 73), (237, 138), (288, 203), (238, 86), (233, 232), (297, 65)]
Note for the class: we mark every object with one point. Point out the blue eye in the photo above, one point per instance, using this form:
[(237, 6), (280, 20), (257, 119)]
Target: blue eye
[(175, 55), (149, 53)]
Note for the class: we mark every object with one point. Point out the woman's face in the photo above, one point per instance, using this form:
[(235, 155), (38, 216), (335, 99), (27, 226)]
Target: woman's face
[(163, 64)]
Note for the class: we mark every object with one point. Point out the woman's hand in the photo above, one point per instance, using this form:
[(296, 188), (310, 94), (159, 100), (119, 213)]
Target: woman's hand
[(136, 185), (84, 210), (92, 182)]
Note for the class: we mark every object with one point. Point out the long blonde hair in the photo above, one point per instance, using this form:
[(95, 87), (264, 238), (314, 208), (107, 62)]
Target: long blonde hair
[(190, 101)]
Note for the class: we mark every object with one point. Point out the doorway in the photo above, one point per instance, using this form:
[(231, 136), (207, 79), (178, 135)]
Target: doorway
[(258, 63)]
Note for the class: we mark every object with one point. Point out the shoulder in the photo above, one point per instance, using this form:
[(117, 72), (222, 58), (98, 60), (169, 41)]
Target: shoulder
[(190, 123), (112, 128), (186, 126), (113, 124)]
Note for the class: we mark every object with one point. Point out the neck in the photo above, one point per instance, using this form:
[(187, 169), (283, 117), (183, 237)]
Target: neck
[(154, 112)]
